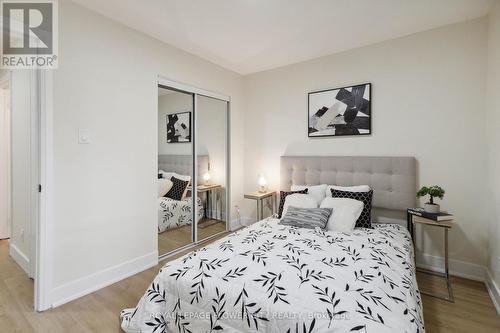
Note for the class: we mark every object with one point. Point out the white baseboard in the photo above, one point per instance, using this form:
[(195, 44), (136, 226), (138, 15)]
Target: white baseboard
[(243, 221), (493, 290), (19, 257), (458, 268), (88, 284)]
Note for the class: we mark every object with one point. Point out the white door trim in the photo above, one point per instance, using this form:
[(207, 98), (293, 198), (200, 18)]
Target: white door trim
[(189, 88), (44, 241)]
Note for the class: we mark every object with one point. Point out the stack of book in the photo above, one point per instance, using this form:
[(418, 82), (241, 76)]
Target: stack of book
[(443, 216)]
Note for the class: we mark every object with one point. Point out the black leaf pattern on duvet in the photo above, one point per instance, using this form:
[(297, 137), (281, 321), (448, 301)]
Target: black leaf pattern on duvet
[(199, 285), (374, 265), (339, 262), (218, 309), (363, 277), (330, 299), (180, 272), (311, 243), (226, 246), (234, 273), (159, 323), (155, 294), (249, 310), (368, 313), (294, 249), (368, 295), (305, 328), (182, 325), (276, 292), (257, 256)]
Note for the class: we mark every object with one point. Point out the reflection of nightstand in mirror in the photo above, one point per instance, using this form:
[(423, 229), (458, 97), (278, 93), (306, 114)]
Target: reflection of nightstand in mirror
[(208, 203), (260, 197)]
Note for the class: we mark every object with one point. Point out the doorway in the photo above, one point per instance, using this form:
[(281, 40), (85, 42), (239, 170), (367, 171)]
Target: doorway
[(19, 182)]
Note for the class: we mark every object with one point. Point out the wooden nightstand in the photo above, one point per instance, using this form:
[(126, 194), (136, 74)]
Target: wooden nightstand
[(259, 197), (207, 190), (446, 226)]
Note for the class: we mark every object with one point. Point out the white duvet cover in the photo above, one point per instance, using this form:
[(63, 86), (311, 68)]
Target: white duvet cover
[(176, 213), (273, 278)]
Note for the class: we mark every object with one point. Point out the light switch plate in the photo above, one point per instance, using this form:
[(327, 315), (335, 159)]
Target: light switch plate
[(84, 136)]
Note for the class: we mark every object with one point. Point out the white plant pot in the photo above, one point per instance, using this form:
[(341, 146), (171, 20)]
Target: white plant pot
[(431, 208)]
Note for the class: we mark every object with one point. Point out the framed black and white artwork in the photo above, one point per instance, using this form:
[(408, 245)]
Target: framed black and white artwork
[(341, 111), (179, 127)]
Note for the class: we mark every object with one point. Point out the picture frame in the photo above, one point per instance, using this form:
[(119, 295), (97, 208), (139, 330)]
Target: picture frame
[(179, 127), (344, 111)]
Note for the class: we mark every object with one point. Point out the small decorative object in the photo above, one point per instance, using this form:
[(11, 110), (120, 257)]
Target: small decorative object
[(341, 111), (433, 192), (206, 178), (262, 184), (179, 127)]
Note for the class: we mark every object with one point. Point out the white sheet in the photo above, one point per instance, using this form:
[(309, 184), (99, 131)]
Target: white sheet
[(273, 278)]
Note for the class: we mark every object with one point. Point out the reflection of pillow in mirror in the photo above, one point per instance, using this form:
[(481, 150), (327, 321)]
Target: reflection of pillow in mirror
[(164, 185), (178, 189), (169, 175), (184, 178)]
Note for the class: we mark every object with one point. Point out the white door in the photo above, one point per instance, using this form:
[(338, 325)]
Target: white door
[(5, 211)]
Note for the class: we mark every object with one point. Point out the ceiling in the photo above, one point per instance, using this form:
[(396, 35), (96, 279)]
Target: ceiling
[(248, 36)]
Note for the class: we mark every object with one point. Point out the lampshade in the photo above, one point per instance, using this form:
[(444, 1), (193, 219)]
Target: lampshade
[(206, 177)]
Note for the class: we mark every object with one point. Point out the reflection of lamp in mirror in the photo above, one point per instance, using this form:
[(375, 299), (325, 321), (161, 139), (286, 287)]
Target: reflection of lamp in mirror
[(206, 178), (262, 184)]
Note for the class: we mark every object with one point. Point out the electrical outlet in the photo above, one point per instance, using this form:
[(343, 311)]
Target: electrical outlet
[(22, 234)]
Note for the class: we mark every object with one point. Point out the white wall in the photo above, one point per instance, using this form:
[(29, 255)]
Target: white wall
[(105, 192), (493, 132), (20, 246), (428, 102), (211, 136)]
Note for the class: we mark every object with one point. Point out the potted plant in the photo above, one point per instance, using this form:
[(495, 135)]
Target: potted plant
[(433, 192)]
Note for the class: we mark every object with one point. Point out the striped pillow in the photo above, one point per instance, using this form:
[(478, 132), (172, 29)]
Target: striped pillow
[(308, 218)]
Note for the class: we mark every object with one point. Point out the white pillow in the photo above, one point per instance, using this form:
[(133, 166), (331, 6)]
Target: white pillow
[(316, 191), (168, 175), (299, 201), (164, 185), (345, 213), (357, 188)]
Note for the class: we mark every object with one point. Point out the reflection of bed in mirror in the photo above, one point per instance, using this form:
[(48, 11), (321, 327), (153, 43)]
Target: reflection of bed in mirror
[(175, 216)]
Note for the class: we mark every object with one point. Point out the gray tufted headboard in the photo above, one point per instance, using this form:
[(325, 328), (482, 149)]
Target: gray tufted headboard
[(393, 179), (183, 164)]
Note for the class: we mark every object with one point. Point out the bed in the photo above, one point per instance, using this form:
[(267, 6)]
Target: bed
[(176, 213), (274, 278)]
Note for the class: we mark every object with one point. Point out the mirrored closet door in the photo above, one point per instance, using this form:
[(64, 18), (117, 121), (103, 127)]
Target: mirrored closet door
[(175, 169), (211, 136), (193, 161)]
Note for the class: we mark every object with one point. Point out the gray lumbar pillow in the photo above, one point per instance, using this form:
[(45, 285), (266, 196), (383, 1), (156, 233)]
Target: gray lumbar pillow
[(309, 218)]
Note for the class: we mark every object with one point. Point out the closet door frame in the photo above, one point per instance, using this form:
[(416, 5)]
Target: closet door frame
[(182, 87)]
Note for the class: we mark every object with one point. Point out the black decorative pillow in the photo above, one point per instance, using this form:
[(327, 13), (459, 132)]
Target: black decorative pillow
[(365, 219), (309, 218), (178, 188), (284, 194)]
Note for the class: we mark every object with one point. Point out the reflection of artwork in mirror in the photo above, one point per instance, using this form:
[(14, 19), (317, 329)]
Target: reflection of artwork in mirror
[(179, 127)]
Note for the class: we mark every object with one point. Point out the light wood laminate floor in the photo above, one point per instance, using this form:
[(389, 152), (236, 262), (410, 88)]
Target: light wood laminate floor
[(173, 239), (472, 311)]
